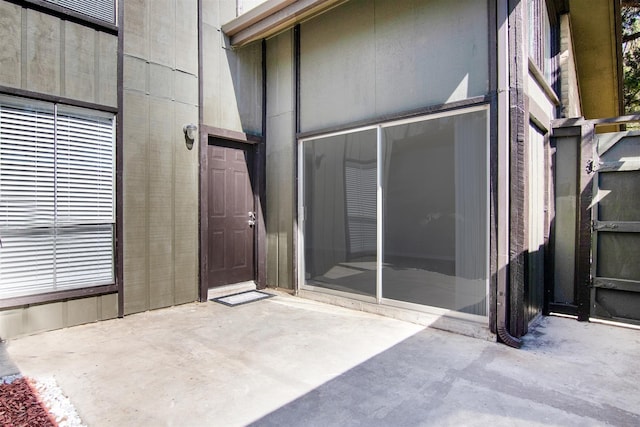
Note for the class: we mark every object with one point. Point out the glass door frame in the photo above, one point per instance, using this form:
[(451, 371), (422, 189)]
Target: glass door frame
[(378, 299)]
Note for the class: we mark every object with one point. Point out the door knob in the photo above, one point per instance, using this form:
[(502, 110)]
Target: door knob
[(252, 219)]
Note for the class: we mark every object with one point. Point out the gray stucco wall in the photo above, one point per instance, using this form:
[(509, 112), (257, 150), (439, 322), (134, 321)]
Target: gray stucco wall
[(48, 55), (366, 59), (160, 175)]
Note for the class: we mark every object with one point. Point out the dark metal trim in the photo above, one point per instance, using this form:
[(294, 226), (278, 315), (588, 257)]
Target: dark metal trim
[(49, 297), (261, 162), (503, 9), (296, 75), (550, 228), (70, 15), (617, 284), (12, 91), (204, 215), (583, 223), (518, 134), (493, 41), (494, 225), (617, 226), (231, 135), (569, 309), (616, 166), (203, 226), (458, 105), (620, 71), (557, 135), (580, 121), (297, 114), (119, 243)]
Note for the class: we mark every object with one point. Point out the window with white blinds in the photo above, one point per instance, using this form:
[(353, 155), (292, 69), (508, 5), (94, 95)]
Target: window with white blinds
[(57, 197), (104, 10)]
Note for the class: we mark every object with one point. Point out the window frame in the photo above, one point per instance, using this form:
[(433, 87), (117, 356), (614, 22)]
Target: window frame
[(81, 110), (379, 125), (545, 63), (71, 15)]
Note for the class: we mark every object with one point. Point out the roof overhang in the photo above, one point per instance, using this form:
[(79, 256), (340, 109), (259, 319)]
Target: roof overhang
[(272, 17), (595, 27)]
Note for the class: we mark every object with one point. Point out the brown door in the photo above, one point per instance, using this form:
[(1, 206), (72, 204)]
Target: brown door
[(231, 213)]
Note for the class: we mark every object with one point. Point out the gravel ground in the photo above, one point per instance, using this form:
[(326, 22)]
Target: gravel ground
[(29, 402)]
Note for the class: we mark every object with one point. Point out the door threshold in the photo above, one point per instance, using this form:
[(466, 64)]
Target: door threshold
[(234, 288), (438, 319)]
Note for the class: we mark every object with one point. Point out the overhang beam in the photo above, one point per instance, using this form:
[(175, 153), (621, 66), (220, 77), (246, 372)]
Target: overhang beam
[(272, 17)]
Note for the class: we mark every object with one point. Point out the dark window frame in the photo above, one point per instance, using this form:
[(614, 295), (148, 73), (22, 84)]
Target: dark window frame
[(70, 15), (92, 291), (539, 55)]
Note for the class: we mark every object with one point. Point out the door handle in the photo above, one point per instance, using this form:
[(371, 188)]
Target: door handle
[(252, 219)]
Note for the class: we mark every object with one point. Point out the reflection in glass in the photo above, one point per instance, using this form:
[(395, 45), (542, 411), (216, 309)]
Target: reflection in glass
[(340, 208), (435, 212)]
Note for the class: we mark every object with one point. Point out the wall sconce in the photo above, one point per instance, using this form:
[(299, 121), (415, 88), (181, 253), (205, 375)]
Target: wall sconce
[(190, 133)]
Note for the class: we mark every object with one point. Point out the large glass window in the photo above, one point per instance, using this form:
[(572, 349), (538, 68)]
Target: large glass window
[(57, 197), (435, 212), (340, 204), (426, 242)]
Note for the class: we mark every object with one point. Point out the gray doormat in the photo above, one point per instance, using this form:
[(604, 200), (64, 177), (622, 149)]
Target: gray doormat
[(242, 298)]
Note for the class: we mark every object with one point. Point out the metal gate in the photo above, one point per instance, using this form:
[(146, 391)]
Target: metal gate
[(615, 264)]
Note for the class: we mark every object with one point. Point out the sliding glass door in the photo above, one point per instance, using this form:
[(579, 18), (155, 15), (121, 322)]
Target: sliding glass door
[(425, 242), (340, 207)]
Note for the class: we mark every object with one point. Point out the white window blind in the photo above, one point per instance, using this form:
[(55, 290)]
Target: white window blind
[(361, 195), (56, 198), (104, 10)]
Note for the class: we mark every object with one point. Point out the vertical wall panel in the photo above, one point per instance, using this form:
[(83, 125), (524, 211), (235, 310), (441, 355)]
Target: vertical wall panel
[(43, 53), (160, 173), (40, 318), (338, 66), (10, 44), (12, 323), (280, 169), (185, 211), (83, 310), (232, 83), (566, 188), (186, 28), (136, 28), (79, 62), (160, 196), (107, 70), (162, 31), (108, 307), (136, 170), (368, 59)]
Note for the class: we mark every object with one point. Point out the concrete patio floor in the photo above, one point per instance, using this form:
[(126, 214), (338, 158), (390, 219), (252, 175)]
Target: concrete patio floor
[(288, 361)]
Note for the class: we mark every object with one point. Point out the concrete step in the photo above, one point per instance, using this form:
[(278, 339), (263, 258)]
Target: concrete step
[(236, 288)]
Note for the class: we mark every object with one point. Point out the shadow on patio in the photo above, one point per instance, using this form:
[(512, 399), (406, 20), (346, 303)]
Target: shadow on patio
[(290, 361)]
